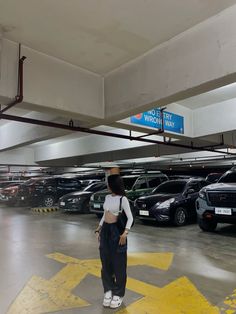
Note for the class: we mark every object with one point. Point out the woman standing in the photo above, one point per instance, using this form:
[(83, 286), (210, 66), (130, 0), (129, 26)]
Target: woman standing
[(113, 245)]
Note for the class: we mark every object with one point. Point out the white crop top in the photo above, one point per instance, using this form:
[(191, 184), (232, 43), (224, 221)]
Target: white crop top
[(112, 204)]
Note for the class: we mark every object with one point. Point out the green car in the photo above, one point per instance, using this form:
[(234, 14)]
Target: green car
[(135, 186)]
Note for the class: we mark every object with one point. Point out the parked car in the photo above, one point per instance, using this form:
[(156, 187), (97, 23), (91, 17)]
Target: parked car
[(79, 201), (47, 191), (172, 201), (8, 195), (213, 177), (4, 184), (217, 202), (86, 183), (179, 176), (135, 186)]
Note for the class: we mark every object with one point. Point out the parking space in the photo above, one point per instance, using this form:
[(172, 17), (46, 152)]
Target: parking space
[(50, 263)]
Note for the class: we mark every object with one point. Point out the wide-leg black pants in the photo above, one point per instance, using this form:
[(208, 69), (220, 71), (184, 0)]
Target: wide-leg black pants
[(114, 260)]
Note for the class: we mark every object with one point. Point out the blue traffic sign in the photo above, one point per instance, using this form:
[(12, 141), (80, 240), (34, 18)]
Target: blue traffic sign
[(152, 118)]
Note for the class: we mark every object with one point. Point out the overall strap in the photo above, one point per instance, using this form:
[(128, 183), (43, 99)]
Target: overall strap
[(120, 209)]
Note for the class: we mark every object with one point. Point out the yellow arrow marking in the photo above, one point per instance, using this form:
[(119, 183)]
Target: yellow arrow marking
[(43, 296), (180, 296), (157, 260), (229, 305)]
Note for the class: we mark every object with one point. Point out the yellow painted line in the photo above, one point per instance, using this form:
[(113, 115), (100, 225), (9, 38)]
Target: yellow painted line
[(69, 277)]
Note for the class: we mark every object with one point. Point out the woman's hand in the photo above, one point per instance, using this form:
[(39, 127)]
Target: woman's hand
[(97, 233), (123, 238)]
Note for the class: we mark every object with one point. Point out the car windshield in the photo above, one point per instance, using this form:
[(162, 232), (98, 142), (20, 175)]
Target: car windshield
[(170, 187), (229, 177), (129, 182), (94, 187), (31, 181), (11, 185), (4, 184)]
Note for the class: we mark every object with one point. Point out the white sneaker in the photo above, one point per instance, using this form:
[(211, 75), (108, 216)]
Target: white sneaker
[(116, 302), (107, 299)]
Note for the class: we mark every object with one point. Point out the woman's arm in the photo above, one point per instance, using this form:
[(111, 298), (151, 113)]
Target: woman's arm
[(127, 210), (102, 220)]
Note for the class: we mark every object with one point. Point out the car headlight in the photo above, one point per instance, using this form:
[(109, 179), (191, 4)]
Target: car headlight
[(166, 204), (202, 194), (75, 200), (92, 197)]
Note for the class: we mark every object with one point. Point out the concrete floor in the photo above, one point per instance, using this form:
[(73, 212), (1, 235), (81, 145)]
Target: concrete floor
[(193, 273)]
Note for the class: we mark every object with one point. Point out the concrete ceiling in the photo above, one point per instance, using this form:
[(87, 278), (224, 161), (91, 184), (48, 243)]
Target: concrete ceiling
[(213, 97), (101, 35)]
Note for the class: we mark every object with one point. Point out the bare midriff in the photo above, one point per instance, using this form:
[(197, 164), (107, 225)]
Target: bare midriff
[(110, 218)]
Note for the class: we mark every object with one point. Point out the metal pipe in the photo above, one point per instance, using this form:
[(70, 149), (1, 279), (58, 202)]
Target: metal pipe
[(215, 145), (19, 97), (103, 133)]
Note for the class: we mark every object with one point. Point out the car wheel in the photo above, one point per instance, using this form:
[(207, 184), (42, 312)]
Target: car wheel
[(99, 215), (180, 217), (207, 225), (48, 201)]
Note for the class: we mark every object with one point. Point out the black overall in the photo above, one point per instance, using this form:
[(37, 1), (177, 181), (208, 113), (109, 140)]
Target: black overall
[(114, 260)]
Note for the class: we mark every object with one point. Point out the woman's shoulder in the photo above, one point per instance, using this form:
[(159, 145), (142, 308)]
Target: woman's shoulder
[(109, 196), (125, 198)]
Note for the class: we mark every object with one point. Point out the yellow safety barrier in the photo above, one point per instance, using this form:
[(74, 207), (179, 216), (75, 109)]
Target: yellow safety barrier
[(44, 209)]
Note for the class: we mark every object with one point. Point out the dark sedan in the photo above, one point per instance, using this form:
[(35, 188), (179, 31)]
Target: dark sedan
[(172, 201), (79, 201)]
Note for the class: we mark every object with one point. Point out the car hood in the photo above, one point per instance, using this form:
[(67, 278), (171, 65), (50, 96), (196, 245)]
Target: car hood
[(156, 198), (76, 194), (221, 186)]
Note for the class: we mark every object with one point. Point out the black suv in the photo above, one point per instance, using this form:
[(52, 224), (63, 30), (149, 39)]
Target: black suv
[(47, 191), (172, 201)]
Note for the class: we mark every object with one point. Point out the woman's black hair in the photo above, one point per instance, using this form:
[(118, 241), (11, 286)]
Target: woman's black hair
[(116, 184)]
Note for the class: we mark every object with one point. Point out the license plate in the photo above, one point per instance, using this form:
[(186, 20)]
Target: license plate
[(144, 212), (22, 197), (62, 203), (96, 205), (223, 211)]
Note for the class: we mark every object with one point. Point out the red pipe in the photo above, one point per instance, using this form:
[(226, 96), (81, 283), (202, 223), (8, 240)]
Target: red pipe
[(19, 97)]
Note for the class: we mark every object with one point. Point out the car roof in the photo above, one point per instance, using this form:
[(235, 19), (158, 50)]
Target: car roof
[(187, 180), (131, 176)]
